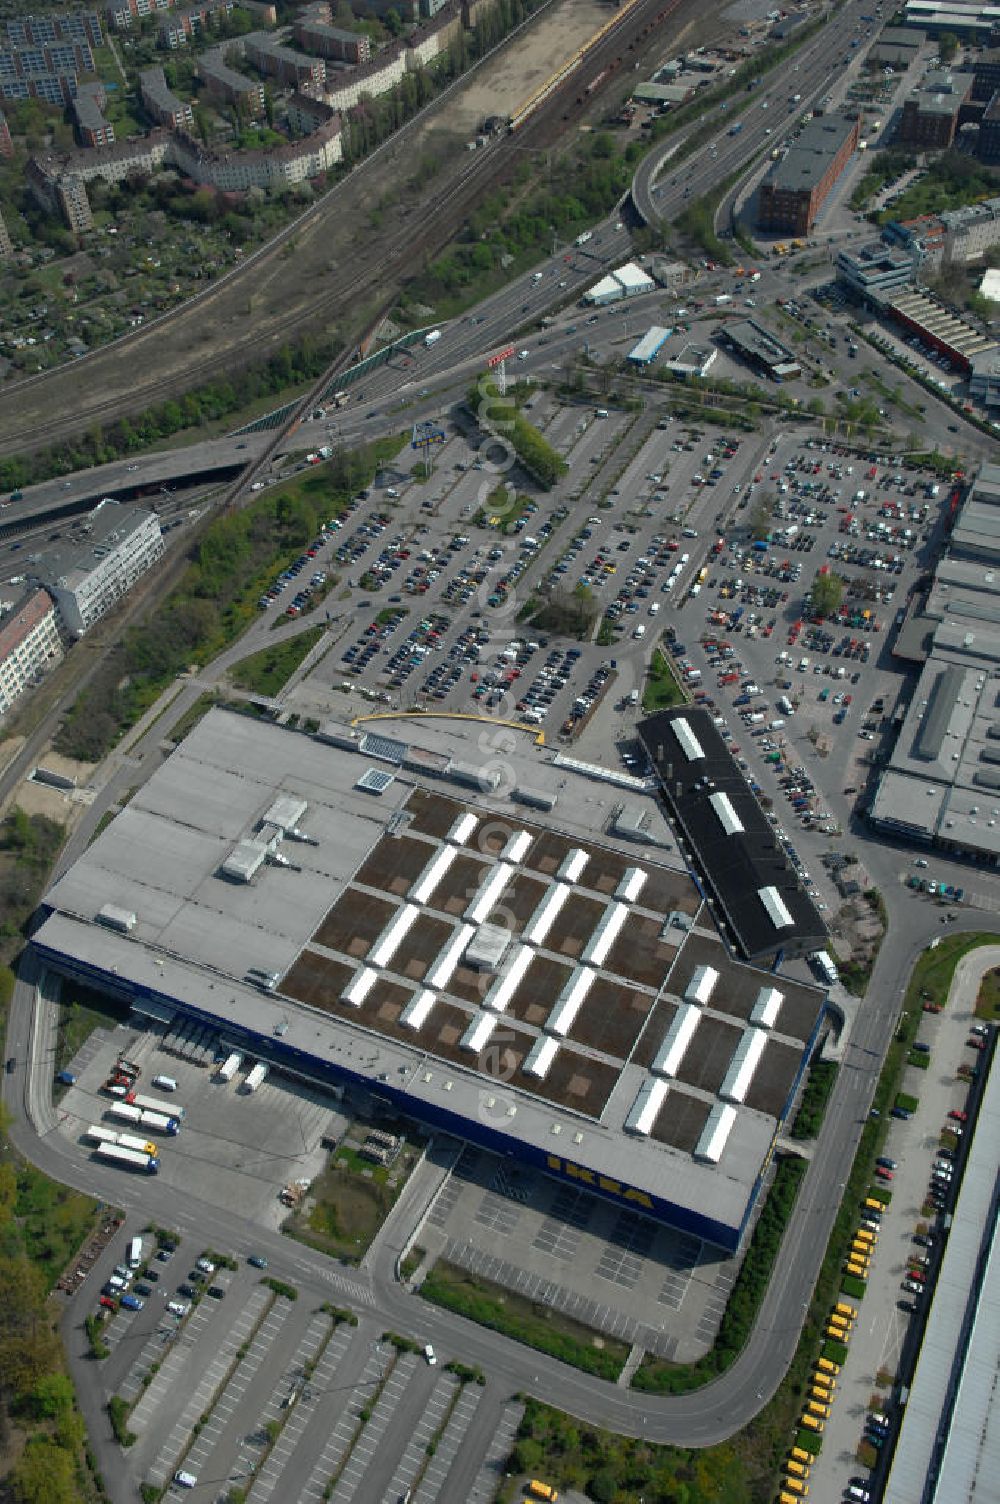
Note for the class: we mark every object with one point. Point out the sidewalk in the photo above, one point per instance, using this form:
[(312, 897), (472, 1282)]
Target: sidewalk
[(881, 1327)]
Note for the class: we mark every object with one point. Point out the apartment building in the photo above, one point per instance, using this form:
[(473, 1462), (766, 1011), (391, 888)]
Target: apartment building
[(29, 644), (179, 26), (99, 564), (92, 128), (122, 14), (971, 231), (293, 69), (35, 31), (331, 42), (225, 84), (161, 103)]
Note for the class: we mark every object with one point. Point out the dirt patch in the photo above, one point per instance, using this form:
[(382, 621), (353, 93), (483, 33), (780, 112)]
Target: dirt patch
[(9, 750), (528, 62)]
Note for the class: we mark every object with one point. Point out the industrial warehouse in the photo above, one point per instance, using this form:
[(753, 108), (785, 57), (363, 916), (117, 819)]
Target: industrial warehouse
[(474, 949)]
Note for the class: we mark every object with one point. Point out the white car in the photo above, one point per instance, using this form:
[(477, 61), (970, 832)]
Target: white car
[(177, 1307), (430, 1355), (523, 354)]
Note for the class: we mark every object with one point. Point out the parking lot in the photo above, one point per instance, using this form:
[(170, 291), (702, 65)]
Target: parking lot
[(808, 705), (440, 572), (921, 1166), (608, 1268), (237, 1384), (706, 541)]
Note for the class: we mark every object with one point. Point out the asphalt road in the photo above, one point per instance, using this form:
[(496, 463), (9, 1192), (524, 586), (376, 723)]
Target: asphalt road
[(712, 1414), (703, 1418), (659, 194)]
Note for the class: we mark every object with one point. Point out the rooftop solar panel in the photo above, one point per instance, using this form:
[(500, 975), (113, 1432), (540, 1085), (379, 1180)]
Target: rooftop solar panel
[(374, 781), (385, 748)]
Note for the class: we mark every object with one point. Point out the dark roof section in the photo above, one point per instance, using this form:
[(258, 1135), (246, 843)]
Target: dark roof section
[(757, 895), (937, 716)]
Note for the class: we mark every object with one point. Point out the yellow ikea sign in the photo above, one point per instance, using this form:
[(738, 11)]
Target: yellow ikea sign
[(599, 1182)]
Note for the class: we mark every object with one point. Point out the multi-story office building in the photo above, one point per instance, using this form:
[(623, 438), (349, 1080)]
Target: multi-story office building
[(796, 187), (100, 563), (931, 113), (984, 379), (876, 269)]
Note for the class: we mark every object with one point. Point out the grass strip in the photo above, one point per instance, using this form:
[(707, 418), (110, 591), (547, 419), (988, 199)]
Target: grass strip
[(537, 1326)]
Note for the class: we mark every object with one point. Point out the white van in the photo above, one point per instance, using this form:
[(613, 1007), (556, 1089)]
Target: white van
[(775, 725), (135, 1253), (601, 412), (165, 1083), (640, 631), (185, 1480)]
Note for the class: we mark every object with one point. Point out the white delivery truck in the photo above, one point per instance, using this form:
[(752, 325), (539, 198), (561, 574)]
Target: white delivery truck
[(256, 1077), (129, 1159), (823, 963), (153, 1104), (125, 1112), (432, 338), (229, 1067), (160, 1122)]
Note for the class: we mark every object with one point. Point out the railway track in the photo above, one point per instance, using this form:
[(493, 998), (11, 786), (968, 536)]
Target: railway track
[(364, 281)]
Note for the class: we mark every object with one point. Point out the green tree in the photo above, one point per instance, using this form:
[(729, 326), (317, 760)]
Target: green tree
[(528, 1455), (760, 518), (44, 1475), (603, 1486), (947, 46), (827, 594), (51, 1397)]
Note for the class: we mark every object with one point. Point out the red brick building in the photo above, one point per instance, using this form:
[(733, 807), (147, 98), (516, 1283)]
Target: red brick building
[(796, 187)]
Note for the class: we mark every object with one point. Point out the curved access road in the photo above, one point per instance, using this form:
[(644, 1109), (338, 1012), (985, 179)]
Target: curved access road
[(659, 194), (703, 1418)]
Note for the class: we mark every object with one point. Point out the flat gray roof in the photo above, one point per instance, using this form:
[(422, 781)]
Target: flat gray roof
[(910, 805), (90, 538), (321, 922), (950, 1437)]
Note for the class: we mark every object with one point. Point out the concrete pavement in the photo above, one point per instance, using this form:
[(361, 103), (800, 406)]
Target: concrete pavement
[(882, 1328)]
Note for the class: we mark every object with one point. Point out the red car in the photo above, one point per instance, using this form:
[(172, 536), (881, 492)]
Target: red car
[(960, 1117), (883, 1174), (932, 1007), (111, 1305)]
